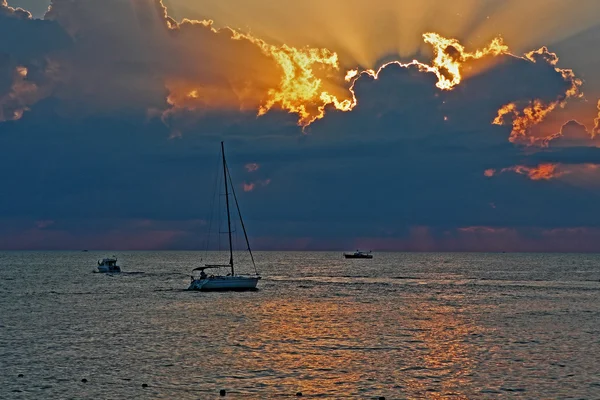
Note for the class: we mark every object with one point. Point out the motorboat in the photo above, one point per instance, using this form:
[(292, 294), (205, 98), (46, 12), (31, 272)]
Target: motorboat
[(359, 254), (108, 265)]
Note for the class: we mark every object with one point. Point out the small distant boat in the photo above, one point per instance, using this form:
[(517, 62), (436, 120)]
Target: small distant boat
[(231, 281), (108, 265), (358, 254)]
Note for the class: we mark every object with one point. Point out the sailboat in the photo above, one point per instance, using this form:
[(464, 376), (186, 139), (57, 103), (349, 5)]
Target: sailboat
[(231, 281)]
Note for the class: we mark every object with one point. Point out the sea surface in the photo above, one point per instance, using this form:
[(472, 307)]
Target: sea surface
[(402, 325)]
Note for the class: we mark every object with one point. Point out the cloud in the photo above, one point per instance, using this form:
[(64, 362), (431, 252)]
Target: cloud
[(548, 171), (249, 187), (532, 112), (596, 130), (44, 224), (539, 172), (45, 239), (27, 70), (139, 53), (571, 134), (112, 81), (251, 167), (135, 55), (132, 56), (125, 56), (19, 13), (20, 94)]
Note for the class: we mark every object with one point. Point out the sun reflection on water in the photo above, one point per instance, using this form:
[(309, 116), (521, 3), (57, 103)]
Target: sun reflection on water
[(349, 346)]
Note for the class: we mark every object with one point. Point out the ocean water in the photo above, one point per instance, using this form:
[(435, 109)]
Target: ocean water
[(403, 326)]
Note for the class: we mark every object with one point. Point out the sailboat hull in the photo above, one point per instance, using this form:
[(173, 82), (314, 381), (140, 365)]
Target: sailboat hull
[(225, 283)]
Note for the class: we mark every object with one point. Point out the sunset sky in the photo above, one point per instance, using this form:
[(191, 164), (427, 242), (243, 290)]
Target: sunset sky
[(424, 125)]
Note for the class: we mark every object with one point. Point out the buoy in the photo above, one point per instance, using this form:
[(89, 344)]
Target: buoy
[(299, 394), (20, 375), (222, 392), (84, 380), (144, 385)]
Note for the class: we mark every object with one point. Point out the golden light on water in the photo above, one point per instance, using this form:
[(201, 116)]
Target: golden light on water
[(325, 347)]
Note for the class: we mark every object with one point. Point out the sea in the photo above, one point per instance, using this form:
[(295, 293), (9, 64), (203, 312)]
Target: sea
[(399, 326)]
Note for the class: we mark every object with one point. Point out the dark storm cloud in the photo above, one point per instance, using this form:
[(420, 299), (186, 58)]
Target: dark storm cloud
[(114, 55), (411, 155), (573, 133), (115, 133), (28, 71)]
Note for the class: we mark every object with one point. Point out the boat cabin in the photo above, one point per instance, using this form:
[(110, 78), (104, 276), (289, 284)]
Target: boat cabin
[(108, 265), (108, 262)]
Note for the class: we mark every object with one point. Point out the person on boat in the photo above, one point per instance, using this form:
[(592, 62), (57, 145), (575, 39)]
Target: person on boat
[(202, 274)]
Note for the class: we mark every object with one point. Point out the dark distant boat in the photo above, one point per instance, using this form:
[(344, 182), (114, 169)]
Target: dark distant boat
[(231, 281), (358, 254)]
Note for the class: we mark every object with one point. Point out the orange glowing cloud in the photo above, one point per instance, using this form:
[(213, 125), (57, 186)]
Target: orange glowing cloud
[(350, 75), (249, 187), (200, 67), (292, 79), (300, 90), (21, 94), (310, 79), (449, 57), (596, 130), (572, 133), (489, 172), (548, 171), (13, 12), (210, 77), (251, 167), (545, 171), (537, 110)]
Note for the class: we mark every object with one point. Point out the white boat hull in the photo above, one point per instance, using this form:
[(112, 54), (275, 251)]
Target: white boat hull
[(225, 283)]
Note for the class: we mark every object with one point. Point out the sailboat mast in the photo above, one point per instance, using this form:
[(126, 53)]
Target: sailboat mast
[(227, 203), (242, 222)]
